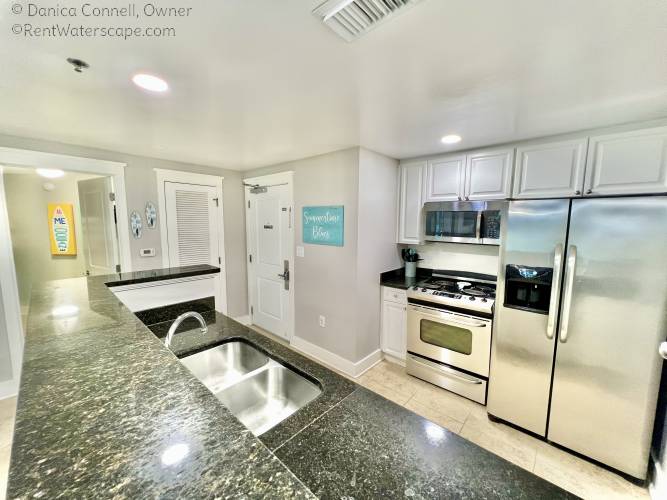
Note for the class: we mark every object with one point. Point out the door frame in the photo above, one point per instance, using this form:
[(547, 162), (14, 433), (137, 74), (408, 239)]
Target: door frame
[(273, 180), (177, 176), (8, 282)]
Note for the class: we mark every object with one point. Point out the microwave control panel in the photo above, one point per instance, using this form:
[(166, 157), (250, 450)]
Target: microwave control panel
[(491, 224)]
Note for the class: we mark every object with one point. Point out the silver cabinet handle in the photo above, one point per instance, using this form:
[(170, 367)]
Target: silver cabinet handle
[(662, 349), (569, 285), (555, 290)]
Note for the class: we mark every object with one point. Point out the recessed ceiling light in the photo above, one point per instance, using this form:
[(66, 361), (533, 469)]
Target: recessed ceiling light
[(451, 139), (150, 82), (50, 173)]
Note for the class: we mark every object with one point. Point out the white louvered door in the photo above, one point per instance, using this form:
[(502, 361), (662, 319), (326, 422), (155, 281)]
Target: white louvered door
[(192, 224)]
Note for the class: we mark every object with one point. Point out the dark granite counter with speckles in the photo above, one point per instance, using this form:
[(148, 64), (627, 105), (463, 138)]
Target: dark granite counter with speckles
[(106, 411), (397, 279)]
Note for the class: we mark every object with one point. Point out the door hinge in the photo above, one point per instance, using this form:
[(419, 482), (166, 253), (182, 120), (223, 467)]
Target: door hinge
[(112, 196), (219, 260), (217, 201), (252, 310), (250, 258), (248, 203), (118, 268)]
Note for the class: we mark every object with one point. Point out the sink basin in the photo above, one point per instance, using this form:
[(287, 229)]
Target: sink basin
[(262, 401), (259, 391), (225, 364)]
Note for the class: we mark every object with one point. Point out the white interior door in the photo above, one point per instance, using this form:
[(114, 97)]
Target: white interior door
[(98, 221), (192, 224), (270, 242)]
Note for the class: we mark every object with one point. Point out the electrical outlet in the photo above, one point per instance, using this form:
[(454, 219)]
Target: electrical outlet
[(299, 251), (323, 321)]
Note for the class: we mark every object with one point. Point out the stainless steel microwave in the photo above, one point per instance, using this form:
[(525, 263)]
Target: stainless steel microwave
[(477, 222)]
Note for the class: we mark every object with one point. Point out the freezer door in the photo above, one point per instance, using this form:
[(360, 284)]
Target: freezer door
[(523, 341), (607, 368)]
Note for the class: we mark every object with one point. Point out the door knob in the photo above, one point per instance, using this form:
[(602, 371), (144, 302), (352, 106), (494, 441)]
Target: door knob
[(662, 349)]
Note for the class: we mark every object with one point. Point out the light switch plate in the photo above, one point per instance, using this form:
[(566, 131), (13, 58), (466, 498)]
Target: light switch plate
[(299, 251)]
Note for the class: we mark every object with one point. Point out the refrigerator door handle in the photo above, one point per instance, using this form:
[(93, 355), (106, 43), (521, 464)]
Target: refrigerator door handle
[(567, 294), (662, 349), (555, 290)]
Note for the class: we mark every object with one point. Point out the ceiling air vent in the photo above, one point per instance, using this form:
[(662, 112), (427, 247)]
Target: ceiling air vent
[(352, 18)]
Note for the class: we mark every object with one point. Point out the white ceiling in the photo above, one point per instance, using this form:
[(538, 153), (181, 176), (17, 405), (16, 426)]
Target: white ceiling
[(257, 82)]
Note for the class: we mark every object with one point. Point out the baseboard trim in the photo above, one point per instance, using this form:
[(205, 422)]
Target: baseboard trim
[(333, 360), (244, 320), (394, 359)]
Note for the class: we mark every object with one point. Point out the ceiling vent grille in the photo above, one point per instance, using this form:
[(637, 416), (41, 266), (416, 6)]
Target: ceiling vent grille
[(351, 19)]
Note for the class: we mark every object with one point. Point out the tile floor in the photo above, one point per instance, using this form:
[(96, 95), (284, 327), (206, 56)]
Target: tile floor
[(469, 420), (459, 415)]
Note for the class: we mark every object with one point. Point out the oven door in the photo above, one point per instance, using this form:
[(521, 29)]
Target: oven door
[(458, 340), (456, 226)]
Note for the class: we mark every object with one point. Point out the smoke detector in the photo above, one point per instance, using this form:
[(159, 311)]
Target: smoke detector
[(351, 19)]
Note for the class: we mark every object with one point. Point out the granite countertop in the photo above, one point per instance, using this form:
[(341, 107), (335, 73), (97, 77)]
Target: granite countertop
[(105, 410), (397, 278)]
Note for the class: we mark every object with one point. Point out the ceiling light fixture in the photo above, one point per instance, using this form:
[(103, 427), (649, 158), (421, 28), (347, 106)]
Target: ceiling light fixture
[(451, 139), (150, 82), (50, 173)]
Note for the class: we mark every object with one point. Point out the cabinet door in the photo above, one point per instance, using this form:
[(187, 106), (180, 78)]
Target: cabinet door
[(411, 194), (394, 329), (489, 175), (444, 178), (553, 170), (627, 163)]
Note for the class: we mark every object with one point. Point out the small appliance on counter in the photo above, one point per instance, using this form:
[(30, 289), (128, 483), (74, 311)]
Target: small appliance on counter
[(449, 331), (580, 317)]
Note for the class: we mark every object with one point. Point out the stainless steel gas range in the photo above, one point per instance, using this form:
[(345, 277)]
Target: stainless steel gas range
[(449, 331)]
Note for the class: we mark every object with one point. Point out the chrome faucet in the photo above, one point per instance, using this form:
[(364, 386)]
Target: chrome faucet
[(179, 320)]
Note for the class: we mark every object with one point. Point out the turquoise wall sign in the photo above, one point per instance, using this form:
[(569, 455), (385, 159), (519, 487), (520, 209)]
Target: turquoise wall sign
[(324, 225)]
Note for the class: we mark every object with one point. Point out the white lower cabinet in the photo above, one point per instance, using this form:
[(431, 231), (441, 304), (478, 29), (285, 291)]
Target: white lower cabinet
[(394, 323)]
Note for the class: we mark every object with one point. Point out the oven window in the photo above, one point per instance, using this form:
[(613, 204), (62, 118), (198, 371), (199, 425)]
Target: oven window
[(446, 336), (451, 224)]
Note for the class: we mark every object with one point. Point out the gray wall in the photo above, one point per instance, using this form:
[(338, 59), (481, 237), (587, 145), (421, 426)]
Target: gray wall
[(342, 283), (324, 279), (376, 242), (141, 186)]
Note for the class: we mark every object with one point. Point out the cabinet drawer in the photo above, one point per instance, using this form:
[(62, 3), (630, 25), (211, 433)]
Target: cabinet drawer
[(394, 295)]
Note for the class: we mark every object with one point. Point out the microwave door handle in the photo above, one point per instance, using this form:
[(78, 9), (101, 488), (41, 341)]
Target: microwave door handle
[(555, 290), (569, 285), (478, 231)]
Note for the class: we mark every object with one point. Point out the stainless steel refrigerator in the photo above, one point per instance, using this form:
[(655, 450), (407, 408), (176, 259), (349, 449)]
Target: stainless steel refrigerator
[(581, 310)]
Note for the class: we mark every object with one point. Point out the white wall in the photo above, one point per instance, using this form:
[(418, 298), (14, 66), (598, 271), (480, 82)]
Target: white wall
[(141, 186), (460, 257), (376, 242)]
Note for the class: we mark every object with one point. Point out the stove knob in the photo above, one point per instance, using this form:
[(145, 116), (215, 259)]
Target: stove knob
[(472, 298), (424, 290), (483, 300)]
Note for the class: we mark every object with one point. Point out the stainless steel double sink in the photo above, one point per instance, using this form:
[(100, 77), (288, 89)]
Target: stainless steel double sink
[(258, 390)]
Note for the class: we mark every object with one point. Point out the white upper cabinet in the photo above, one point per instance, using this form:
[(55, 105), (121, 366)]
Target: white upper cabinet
[(412, 176), (627, 163), (444, 178), (489, 175), (551, 170)]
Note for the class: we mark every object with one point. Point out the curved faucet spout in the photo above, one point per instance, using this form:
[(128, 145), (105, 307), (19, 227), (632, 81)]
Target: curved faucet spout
[(179, 320)]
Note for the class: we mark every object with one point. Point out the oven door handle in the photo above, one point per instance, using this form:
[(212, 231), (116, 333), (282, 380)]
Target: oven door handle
[(444, 317)]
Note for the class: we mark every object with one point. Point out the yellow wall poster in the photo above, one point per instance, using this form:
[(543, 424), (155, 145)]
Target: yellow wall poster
[(61, 229)]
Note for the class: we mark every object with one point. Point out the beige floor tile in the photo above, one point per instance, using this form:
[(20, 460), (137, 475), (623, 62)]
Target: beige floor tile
[(393, 376), (434, 416), (504, 441), (4, 468), (442, 401), (583, 478), (394, 395), (7, 408), (6, 432)]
